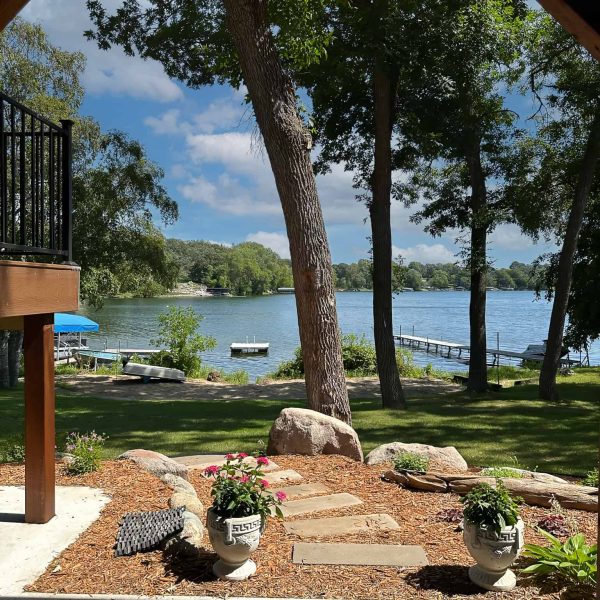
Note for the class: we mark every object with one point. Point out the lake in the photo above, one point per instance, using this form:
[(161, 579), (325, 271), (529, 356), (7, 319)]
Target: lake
[(517, 316)]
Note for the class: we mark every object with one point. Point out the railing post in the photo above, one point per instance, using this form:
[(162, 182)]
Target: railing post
[(67, 188)]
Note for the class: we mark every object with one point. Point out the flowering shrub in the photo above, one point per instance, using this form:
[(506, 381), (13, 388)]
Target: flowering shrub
[(86, 452), (240, 490)]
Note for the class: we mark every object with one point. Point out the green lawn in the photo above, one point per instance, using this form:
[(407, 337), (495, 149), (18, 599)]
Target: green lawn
[(560, 438)]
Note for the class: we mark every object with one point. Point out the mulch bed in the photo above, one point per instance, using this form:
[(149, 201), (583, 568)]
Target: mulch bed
[(89, 565)]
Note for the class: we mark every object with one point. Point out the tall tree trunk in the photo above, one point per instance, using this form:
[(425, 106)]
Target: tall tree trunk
[(589, 164), (4, 376), (15, 347), (288, 147), (478, 263), (392, 395)]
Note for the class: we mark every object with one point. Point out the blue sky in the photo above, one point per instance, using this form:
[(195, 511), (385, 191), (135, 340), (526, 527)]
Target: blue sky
[(206, 142)]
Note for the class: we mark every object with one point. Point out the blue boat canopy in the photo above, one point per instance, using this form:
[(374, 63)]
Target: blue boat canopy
[(67, 323)]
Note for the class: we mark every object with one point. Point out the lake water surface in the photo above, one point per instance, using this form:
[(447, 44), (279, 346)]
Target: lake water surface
[(517, 316)]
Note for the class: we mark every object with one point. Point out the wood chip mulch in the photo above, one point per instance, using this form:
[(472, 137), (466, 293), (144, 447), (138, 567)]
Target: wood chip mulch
[(89, 565)]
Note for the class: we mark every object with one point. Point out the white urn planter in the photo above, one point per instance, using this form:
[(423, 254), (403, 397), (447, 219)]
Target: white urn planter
[(494, 554), (234, 540)]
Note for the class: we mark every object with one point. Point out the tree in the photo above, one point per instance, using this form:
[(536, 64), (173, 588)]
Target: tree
[(558, 167), (252, 41), (457, 117), (178, 333)]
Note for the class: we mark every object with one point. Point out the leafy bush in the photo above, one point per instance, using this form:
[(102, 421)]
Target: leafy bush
[(358, 355), (409, 461), (591, 478), (555, 524), (12, 450), (502, 472), (572, 561), (489, 508), (86, 452), (180, 339)]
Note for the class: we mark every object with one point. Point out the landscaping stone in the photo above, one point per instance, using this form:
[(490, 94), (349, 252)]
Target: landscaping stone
[(154, 462), (302, 490), (318, 503), (188, 542), (426, 482), (441, 458), (281, 476), (190, 501), (385, 555), (201, 461), (307, 432), (178, 484), (334, 526), (540, 476)]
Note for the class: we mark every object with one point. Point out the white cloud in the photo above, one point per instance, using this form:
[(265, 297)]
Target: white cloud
[(107, 72), (278, 242), (425, 253), (509, 237)]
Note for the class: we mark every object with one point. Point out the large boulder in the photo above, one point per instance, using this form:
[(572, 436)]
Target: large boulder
[(439, 458), (304, 431), (154, 462)]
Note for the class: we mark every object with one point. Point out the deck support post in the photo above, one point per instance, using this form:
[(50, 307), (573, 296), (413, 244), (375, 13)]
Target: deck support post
[(38, 345)]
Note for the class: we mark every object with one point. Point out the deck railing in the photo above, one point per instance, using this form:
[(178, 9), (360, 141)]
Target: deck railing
[(35, 183)]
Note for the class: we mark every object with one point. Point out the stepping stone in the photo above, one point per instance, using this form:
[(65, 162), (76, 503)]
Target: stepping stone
[(302, 490), (383, 555), (201, 461), (332, 526), (282, 476), (318, 503)]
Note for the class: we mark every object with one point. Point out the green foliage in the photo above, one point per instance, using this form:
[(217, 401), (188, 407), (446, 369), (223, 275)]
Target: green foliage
[(499, 472), (178, 334), (489, 508), (573, 561), (409, 461), (591, 478), (358, 355), (240, 490), (12, 449), (239, 377), (86, 450)]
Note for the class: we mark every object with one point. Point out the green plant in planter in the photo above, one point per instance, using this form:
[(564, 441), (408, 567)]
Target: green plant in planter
[(490, 509), (573, 561), (409, 461)]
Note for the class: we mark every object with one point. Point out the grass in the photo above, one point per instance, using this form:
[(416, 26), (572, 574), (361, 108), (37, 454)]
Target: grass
[(490, 430)]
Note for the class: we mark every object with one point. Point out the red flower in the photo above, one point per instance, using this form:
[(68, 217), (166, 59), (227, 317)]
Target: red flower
[(244, 479), (262, 460), (242, 455), (264, 483), (281, 496), (212, 470), (230, 456)]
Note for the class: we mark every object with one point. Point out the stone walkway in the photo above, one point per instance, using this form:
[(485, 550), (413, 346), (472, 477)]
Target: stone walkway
[(316, 498)]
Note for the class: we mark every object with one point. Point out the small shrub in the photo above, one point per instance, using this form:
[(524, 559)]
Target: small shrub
[(502, 472), (66, 369), (591, 478), (86, 450), (450, 515), (409, 461), (12, 450), (489, 508), (572, 562), (554, 524), (405, 362)]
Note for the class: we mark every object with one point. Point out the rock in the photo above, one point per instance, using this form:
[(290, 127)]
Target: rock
[(427, 482), (154, 462), (541, 476), (213, 376), (307, 432), (190, 501), (188, 542), (441, 458), (178, 484)]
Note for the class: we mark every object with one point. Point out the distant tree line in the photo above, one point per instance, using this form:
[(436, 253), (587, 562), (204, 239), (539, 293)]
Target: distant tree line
[(246, 269), (419, 276)]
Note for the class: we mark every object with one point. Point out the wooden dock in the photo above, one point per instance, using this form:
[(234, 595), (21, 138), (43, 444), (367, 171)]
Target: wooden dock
[(129, 352)]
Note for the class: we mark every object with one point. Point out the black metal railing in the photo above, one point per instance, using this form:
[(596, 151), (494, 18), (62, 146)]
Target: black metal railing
[(35, 183)]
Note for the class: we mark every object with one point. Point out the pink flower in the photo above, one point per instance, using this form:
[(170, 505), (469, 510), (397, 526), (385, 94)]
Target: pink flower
[(262, 460), (242, 455), (212, 470), (230, 456), (264, 483), (281, 496), (244, 479)]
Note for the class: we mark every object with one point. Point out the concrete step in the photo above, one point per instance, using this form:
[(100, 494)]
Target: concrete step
[(333, 526), (384, 555), (278, 477), (201, 461), (302, 490), (318, 503)]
